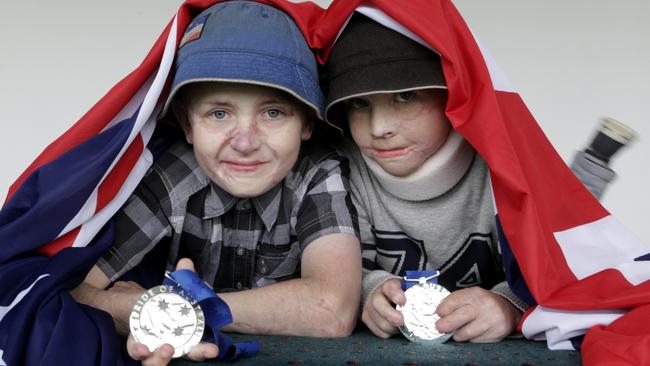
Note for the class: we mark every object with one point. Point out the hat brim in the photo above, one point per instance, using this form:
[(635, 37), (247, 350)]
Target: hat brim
[(249, 68), (367, 79)]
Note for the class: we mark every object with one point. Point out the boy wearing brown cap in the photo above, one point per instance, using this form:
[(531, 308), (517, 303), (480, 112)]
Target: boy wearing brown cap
[(422, 193)]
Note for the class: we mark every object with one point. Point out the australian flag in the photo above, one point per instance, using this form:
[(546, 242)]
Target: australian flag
[(584, 275)]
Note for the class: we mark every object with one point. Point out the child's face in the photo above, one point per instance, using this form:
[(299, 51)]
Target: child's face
[(246, 138), (399, 131)]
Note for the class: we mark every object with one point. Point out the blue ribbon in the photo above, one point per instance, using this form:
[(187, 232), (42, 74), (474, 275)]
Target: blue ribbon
[(216, 311), (412, 278)]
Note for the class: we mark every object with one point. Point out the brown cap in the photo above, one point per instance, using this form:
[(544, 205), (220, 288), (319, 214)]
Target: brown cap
[(370, 58)]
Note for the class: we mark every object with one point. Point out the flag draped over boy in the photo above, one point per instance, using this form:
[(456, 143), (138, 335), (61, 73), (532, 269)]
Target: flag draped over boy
[(565, 254)]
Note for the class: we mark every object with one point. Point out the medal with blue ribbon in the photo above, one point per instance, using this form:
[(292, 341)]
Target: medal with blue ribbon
[(423, 295), (179, 311)]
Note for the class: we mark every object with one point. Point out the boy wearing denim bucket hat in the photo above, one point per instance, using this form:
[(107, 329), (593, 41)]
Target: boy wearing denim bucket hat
[(407, 163), (263, 214)]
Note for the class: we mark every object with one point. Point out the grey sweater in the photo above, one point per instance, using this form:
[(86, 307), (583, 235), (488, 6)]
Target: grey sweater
[(453, 230)]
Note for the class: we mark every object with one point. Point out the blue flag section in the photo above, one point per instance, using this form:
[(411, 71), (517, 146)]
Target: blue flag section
[(54, 194), (43, 321)]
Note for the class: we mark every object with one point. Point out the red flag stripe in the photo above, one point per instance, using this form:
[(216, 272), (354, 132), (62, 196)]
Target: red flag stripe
[(62, 242), (113, 182)]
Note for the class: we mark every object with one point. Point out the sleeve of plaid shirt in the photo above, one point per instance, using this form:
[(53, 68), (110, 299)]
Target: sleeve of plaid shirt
[(326, 207), (139, 225)]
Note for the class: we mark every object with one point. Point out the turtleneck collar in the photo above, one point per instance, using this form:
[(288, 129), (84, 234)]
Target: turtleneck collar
[(440, 173)]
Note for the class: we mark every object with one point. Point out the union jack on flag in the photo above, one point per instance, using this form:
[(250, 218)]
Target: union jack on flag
[(585, 276)]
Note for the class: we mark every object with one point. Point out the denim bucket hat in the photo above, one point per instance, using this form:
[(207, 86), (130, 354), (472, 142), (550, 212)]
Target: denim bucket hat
[(247, 42)]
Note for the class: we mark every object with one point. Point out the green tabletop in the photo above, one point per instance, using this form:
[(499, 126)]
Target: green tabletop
[(363, 348)]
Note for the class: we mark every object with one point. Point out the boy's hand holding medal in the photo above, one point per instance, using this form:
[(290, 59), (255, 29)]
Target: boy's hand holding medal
[(423, 295)]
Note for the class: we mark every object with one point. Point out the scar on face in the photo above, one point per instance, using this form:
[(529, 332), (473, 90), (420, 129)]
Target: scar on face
[(424, 109), (234, 130)]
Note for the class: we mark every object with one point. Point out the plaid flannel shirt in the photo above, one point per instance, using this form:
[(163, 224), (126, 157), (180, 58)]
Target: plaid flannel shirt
[(234, 243)]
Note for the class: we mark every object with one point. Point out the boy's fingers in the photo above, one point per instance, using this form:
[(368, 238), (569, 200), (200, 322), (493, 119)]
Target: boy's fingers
[(203, 351), (392, 289), (457, 319), (377, 325), (379, 313), (474, 332), (385, 310), (378, 331), (161, 356), (451, 303), (185, 263), (137, 351)]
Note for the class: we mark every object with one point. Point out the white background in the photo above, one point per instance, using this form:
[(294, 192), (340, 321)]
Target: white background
[(571, 61)]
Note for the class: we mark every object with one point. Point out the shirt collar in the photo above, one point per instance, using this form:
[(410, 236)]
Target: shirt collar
[(217, 202), (267, 206)]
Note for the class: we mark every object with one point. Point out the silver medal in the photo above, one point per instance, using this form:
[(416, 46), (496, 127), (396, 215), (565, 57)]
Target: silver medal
[(419, 312), (165, 315)]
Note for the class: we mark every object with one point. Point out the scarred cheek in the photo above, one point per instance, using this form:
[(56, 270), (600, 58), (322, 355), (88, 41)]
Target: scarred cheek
[(421, 111), (230, 133), (255, 129)]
